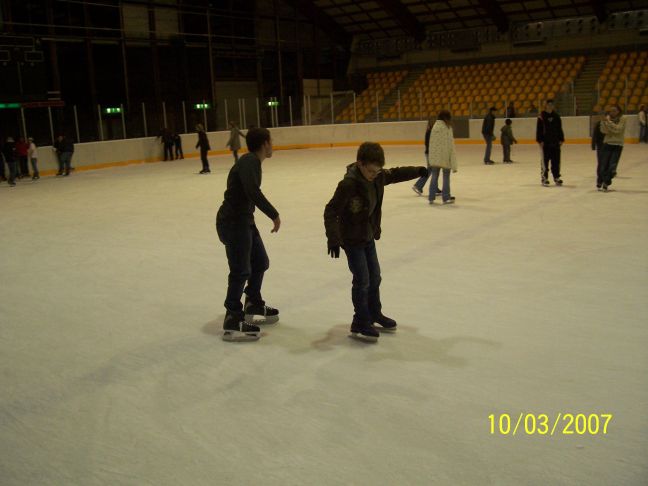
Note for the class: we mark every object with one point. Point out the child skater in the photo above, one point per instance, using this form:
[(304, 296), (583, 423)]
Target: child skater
[(507, 140), (352, 222)]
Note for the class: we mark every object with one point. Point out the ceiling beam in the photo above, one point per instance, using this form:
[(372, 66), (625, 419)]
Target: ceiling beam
[(322, 20), (405, 19), (496, 14)]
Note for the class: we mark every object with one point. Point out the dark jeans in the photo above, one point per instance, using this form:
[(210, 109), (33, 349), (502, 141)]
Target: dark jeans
[(203, 159), (420, 183), (608, 162), (434, 185), (489, 147), (551, 153), (365, 290), (178, 152), (643, 133), (168, 151), (248, 261), (34, 164), (11, 164), (64, 161), (506, 148), (24, 165), (235, 152)]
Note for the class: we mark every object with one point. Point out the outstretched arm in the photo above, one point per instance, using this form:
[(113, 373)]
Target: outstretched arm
[(401, 174)]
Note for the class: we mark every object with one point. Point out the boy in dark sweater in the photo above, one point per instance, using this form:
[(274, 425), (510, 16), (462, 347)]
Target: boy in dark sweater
[(246, 254), (550, 136), (352, 221)]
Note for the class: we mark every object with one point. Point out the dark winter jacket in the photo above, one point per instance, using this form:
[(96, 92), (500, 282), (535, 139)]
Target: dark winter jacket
[(427, 139), (507, 137), (597, 137), (65, 145), (9, 151), (488, 125), (203, 141), (549, 129), (243, 193), (348, 218)]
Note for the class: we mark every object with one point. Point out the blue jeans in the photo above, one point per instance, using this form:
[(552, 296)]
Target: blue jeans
[(423, 179), (64, 160), (607, 167), (489, 147), (643, 133), (365, 290), (434, 185), (248, 261)]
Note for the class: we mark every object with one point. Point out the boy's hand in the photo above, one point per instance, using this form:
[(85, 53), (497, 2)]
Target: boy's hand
[(422, 171), (277, 224), (334, 251)]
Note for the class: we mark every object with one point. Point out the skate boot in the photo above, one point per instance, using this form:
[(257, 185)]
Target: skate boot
[(558, 181), (235, 328), (387, 324), (545, 182), (417, 190), (267, 315), (364, 332)]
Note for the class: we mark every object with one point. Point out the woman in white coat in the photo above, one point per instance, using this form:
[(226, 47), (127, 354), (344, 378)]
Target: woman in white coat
[(442, 156)]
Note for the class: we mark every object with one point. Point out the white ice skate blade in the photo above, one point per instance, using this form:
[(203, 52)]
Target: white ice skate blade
[(361, 337), (238, 336), (385, 329), (261, 320)]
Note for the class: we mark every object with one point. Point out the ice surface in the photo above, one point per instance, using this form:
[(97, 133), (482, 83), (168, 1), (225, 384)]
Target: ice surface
[(517, 299)]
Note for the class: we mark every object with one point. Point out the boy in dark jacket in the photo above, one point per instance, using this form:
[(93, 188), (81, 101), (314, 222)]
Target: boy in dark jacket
[(488, 132), (550, 136), (352, 221), (246, 255), (508, 139), (597, 141)]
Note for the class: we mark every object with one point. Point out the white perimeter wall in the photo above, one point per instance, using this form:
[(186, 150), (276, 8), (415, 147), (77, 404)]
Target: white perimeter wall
[(139, 150)]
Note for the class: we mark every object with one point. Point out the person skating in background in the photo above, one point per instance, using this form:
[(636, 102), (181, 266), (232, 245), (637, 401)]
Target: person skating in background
[(64, 150), (442, 157), (33, 159), (246, 254), (22, 151), (9, 153), (507, 139), (177, 143), (352, 222), (234, 142), (166, 137), (613, 127), (597, 143), (643, 124), (203, 145), (488, 132), (510, 110), (550, 137), (420, 184)]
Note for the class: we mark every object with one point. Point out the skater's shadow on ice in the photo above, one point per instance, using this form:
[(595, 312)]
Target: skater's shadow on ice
[(406, 344)]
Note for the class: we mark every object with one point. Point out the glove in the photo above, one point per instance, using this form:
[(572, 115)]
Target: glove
[(422, 171), (334, 251)]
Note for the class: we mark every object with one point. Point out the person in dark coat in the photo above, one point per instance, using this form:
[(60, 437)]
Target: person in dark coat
[(488, 132), (203, 144), (9, 154), (352, 222), (167, 142), (177, 142), (64, 150), (598, 138), (550, 137), (22, 151), (246, 255)]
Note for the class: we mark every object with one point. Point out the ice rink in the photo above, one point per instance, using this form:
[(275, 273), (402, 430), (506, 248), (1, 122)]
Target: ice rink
[(517, 299)]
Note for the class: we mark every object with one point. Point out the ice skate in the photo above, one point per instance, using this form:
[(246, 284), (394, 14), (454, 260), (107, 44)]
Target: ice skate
[(364, 332), (235, 329), (417, 190), (387, 324), (259, 313), (545, 182), (451, 200), (558, 181)]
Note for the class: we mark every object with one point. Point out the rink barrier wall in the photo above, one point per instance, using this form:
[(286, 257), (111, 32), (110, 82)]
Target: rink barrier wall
[(120, 153)]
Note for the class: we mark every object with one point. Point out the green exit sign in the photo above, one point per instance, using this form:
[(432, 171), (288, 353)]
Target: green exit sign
[(4, 106), (202, 106), (273, 103), (112, 111)]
